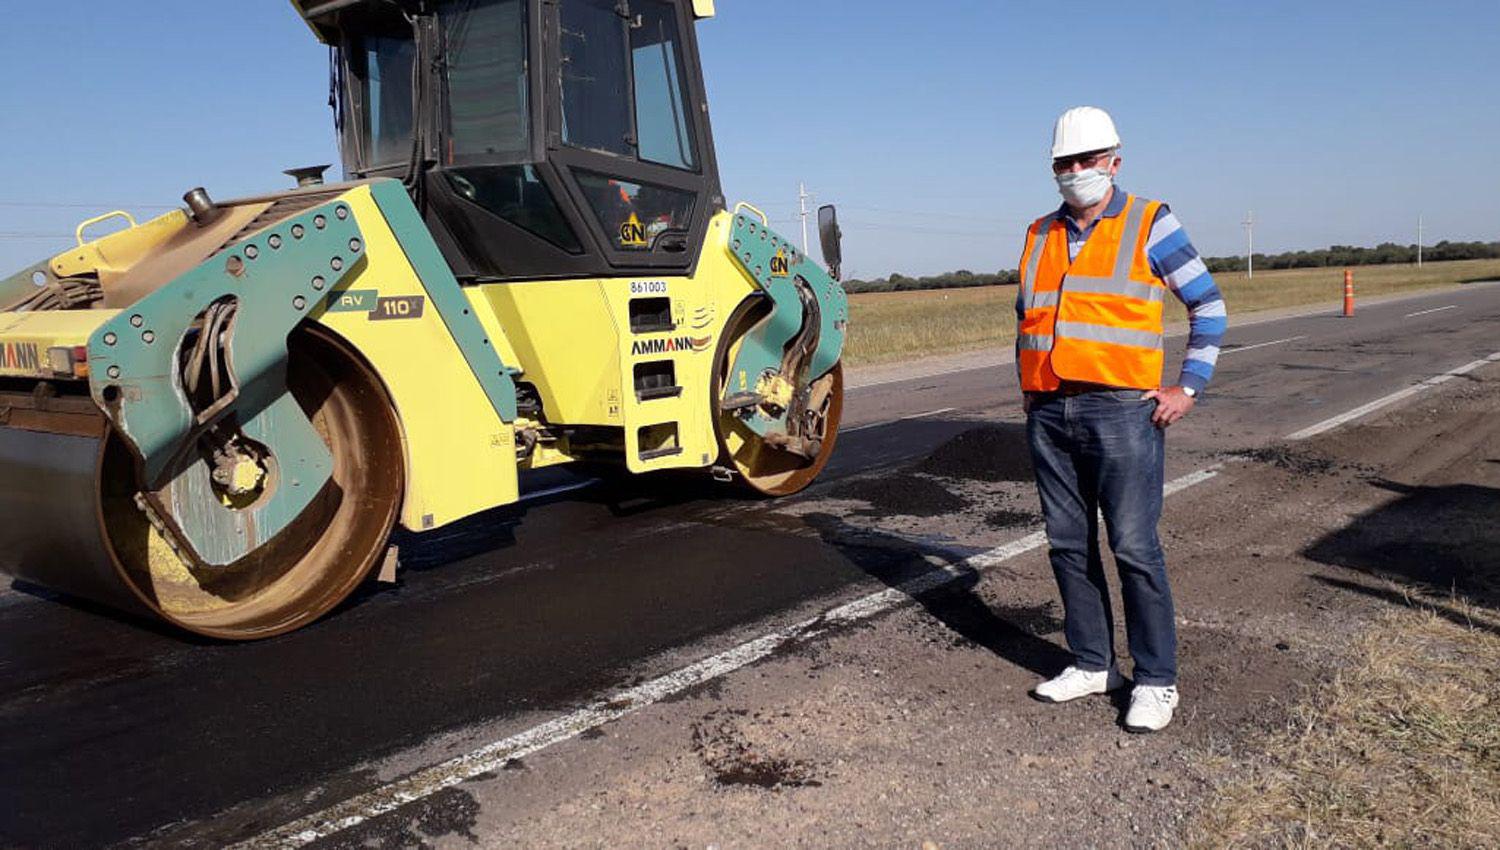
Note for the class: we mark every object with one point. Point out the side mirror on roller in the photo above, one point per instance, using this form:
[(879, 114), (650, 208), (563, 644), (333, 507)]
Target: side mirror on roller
[(832, 239)]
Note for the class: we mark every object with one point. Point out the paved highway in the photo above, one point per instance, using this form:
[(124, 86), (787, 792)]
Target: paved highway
[(116, 730)]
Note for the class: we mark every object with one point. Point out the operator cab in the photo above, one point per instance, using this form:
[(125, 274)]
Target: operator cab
[(539, 138)]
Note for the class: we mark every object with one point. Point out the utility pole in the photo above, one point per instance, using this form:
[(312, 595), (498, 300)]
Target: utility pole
[(1421, 225), (1249, 224), (802, 197)]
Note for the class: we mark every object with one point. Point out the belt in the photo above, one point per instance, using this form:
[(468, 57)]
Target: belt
[(1072, 388)]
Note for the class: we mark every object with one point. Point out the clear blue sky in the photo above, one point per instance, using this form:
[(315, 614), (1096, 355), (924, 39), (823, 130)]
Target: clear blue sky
[(928, 122)]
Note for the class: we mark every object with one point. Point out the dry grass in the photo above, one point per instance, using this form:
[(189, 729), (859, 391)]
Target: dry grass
[(897, 325), (888, 326), (1292, 287), (1401, 749)]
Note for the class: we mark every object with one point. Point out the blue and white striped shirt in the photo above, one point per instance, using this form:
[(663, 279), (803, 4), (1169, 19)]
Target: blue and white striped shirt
[(1175, 261)]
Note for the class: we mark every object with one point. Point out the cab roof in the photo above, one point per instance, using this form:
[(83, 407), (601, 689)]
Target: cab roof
[(316, 12)]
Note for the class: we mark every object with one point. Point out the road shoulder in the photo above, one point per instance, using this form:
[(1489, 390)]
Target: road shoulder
[(915, 727)]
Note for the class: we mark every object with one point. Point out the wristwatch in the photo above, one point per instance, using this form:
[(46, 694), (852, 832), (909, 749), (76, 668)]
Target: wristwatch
[(1190, 392)]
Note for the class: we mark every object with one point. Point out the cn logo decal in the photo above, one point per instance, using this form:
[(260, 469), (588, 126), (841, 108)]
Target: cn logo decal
[(398, 307), (669, 345), (780, 265), (633, 233)]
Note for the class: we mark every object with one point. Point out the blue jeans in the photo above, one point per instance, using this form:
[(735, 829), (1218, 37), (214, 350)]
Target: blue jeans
[(1096, 452)]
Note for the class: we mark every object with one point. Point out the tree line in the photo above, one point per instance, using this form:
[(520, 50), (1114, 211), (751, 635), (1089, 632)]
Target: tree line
[(1334, 255), (1385, 253)]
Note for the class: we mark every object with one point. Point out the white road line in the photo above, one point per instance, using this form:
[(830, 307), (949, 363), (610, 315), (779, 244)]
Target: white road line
[(424, 783), (1387, 401), (1192, 479), (894, 421), (1260, 345), (1433, 310), (924, 415)]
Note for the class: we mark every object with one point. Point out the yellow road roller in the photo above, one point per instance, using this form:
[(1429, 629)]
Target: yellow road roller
[(219, 416)]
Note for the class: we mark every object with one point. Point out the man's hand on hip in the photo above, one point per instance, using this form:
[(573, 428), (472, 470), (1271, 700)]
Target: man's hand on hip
[(1171, 405)]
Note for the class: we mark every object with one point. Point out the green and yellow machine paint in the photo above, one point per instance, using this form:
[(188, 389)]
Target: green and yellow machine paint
[(218, 416)]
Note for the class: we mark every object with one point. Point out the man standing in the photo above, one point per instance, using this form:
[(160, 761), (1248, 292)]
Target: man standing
[(1094, 278)]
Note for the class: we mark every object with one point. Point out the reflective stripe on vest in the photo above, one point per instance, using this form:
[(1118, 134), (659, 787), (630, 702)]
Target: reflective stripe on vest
[(1028, 276), (1041, 299), (1096, 317), (1109, 286), (1105, 333)]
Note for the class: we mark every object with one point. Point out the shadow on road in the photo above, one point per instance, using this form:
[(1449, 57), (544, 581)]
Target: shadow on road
[(895, 561), (1453, 613), (618, 492), (1446, 538)]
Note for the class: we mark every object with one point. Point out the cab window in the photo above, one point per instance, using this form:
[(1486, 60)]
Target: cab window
[(487, 85), (517, 194), (665, 135), (595, 85), (623, 86), (382, 70), (634, 215)]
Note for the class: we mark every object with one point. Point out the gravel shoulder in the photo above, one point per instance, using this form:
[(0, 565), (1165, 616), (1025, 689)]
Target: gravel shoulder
[(914, 729)]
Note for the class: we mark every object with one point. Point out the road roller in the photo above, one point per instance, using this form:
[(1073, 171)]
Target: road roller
[(220, 416)]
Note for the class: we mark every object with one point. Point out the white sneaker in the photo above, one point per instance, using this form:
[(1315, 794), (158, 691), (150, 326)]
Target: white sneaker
[(1073, 683), (1150, 708)]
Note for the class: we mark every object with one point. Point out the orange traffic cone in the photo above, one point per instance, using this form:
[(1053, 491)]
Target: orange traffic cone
[(1348, 293)]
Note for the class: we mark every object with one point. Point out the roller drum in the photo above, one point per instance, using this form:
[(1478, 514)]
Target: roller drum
[(72, 521), (52, 534)]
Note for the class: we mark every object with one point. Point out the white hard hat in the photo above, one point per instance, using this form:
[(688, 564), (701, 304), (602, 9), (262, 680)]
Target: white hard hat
[(1083, 129)]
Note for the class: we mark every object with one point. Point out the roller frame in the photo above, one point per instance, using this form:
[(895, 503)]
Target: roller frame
[(777, 268), (136, 380)]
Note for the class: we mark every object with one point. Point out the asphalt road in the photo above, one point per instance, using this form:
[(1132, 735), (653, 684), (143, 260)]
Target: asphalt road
[(116, 730)]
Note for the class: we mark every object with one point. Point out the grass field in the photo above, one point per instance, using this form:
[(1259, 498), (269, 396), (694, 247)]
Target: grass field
[(887, 326), (1401, 749)]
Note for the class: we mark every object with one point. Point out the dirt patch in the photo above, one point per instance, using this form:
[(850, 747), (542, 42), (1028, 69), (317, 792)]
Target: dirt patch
[(1292, 460), (907, 495), (1007, 518), (988, 453), (732, 760), (451, 812)]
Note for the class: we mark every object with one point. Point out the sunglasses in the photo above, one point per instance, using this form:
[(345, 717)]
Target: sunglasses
[(1087, 160)]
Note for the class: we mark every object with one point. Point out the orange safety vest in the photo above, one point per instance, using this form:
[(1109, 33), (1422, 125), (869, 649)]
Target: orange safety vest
[(1098, 318)]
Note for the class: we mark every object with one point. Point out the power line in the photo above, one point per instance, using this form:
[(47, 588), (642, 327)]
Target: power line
[(793, 208), (81, 206), (917, 228), (928, 214)]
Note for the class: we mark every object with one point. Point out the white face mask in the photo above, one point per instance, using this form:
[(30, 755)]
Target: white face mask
[(1084, 188)]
